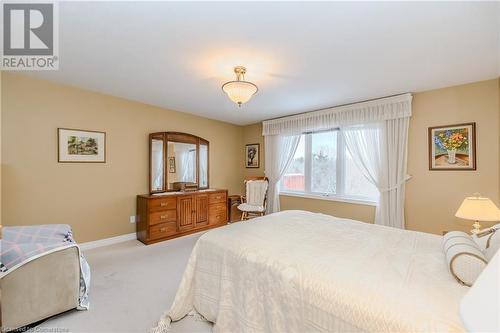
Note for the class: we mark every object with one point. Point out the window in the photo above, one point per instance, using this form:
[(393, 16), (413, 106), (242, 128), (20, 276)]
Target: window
[(323, 166)]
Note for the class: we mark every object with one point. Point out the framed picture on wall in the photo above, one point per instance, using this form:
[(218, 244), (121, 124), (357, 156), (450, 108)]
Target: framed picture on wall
[(81, 146), (452, 147), (252, 155)]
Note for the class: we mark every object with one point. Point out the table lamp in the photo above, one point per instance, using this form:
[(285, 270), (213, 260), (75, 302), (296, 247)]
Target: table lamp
[(478, 209)]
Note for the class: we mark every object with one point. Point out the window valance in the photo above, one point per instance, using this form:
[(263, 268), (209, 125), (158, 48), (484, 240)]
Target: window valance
[(358, 113)]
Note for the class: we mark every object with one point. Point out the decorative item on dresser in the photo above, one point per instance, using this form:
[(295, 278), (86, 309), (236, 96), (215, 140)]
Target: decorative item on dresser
[(174, 214)]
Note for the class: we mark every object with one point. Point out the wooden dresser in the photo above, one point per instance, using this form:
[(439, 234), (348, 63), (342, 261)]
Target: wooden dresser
[(174, 214)]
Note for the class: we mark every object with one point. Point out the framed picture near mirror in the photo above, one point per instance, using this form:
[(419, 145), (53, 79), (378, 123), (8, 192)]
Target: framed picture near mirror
[(171, 164), (80, 146), (252, 155)]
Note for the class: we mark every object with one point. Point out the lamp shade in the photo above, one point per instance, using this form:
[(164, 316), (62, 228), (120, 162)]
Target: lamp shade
[(478, 209), (239, 91)]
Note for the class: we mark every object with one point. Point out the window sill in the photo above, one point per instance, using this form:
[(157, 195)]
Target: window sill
[(350, 200)]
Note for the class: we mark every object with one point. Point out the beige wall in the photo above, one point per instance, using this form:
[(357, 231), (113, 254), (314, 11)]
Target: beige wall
[(96, 199), (432, 197), (253, 134), (365, 213), (0, 154)]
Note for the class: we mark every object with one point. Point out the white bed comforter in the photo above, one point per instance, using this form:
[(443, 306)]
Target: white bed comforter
[(297, 271)]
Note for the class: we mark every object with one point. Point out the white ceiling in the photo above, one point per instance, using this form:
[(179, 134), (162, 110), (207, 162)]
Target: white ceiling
[(302, 56)]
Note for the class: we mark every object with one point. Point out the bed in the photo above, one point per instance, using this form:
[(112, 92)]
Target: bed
[(298, 271)]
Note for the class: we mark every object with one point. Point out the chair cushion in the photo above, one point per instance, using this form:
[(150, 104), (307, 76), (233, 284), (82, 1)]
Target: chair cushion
[(256, 192), (244, 207)]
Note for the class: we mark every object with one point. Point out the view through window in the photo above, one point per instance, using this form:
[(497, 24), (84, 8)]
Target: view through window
[(322, 165)]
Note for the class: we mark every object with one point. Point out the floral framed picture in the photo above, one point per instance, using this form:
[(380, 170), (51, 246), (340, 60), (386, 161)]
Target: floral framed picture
[(252, 155), (452, 147), (80, 146)]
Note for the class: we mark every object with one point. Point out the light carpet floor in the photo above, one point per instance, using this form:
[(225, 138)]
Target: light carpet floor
[(132, 286)]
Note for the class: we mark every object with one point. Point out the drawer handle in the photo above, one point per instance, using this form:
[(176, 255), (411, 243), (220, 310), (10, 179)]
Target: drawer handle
[(163, 229), (163, 204), (163, 217)]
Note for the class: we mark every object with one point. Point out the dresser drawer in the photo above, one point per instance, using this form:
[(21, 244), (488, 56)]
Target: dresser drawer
[(163, 216), (217, 197), (217, 207), (162, 204), (217, 217), (162, 230), (217, 213)]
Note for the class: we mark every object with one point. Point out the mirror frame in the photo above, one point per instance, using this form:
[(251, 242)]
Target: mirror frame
[(156, 136), (182, 138)]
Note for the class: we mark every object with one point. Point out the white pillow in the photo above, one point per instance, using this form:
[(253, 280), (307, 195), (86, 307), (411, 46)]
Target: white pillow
[(464, 257), (480, 241), (492, 243)]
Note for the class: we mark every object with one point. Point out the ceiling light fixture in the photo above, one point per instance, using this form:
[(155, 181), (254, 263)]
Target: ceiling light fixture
[(239, 91)]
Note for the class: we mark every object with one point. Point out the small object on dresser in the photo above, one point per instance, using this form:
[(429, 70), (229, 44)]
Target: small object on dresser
[(185, 186), (190, 187)]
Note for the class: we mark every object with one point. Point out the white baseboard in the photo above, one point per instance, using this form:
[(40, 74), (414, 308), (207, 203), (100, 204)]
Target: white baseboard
[(107, 241)]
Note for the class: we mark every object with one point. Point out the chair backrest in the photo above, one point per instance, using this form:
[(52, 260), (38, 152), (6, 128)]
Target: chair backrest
[(256, 191)]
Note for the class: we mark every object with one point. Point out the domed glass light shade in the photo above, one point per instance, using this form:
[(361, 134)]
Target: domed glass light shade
[(239, 91)]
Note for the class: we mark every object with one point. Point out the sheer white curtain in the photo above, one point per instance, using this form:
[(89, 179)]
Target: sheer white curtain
[(380, 151), (376, 134), (279, 154), (186, 165)]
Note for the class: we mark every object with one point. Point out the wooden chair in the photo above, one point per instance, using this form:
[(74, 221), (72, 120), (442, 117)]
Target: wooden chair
[(253, 203)]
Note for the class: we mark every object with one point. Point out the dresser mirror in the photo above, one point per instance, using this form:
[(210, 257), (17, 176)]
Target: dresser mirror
[(177, 159), (181, 159), (157, 163), (203, 178)]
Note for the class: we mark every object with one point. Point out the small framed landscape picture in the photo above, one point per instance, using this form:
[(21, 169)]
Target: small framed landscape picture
[(252, 155), (452, 147), (81, 146)]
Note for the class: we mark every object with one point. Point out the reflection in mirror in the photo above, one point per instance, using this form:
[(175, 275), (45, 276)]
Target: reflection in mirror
[(203, 165), (157, 167), (181, 163)]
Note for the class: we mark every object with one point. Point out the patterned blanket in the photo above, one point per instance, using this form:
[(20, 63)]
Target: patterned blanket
[(23, 244)]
